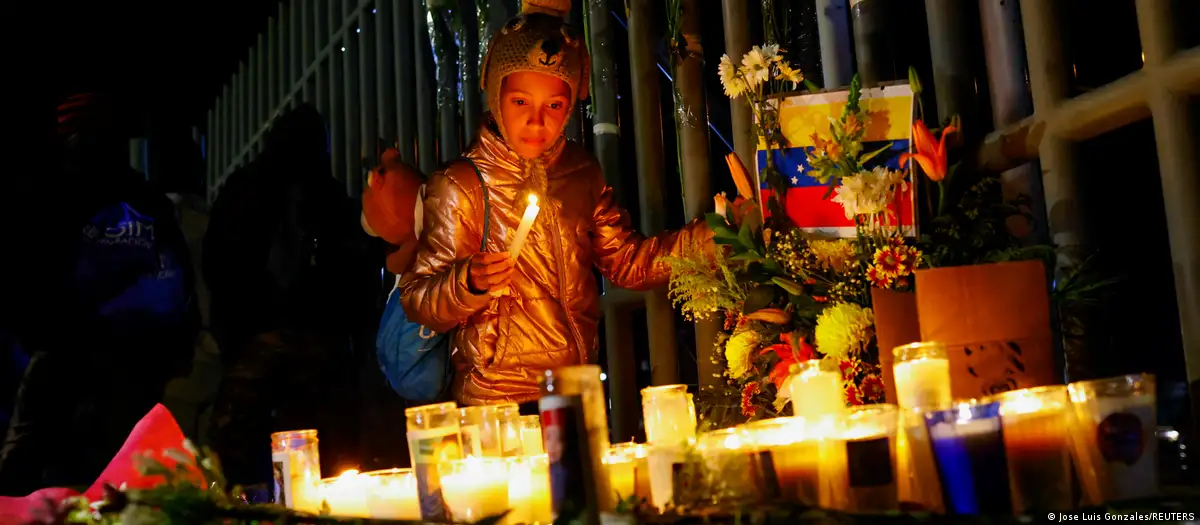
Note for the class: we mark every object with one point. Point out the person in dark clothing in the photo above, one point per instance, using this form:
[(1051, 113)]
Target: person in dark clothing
[(278, 260), (107, 310)]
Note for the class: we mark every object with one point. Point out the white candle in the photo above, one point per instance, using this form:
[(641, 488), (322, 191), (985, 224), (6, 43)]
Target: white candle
[(923, 383), (816, 392), (475, 488), (393, 495), (531, 213), (347, 494), (529, 491)]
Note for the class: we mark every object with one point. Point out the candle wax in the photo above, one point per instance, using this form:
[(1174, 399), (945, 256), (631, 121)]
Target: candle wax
[(476, 491), (817, 394), (669, 420), (1039, 458), (972, 465), (394, 497), (923, 383), (798, 471)]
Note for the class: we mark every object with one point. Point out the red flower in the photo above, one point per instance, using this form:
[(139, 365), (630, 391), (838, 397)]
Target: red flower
[(853, 395), (872, 388), (878, 278), (748, 393), (931, 154), (849, 369), (787, 357)]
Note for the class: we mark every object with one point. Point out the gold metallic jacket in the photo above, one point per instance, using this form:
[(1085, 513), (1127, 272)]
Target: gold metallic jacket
[(550, 316)]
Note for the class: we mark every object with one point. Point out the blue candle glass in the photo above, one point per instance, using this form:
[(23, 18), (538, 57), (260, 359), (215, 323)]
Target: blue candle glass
[(968, 447)]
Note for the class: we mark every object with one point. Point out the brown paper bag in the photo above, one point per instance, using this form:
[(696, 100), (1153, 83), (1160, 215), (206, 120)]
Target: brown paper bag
[(896, 323), (995, 322)]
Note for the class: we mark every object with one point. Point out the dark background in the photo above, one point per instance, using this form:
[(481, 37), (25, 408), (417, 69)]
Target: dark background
[(167, 61)]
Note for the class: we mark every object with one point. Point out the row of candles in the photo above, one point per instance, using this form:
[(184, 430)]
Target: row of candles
[(1015, 452)]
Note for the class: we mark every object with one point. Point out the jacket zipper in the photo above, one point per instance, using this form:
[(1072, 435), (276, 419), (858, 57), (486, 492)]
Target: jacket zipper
[(562, 288)]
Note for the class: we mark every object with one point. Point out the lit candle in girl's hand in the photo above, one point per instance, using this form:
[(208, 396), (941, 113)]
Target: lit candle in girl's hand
[(531, 213)]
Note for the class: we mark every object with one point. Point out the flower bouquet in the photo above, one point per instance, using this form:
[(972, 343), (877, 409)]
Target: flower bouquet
[(787, 295)]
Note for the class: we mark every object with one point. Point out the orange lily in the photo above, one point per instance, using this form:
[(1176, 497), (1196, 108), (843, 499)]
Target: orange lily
[(788, 356), (931, 154)]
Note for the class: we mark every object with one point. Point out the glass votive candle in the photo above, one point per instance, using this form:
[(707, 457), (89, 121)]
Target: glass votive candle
[(531, 435), (392, 494), (346, 494), (1037, 442), (622, 470), (433, 437), (790, 456), (529, 491), (510, 430), (669, 415), (968, 447), (730, 459), (481, 431), (296, 466), (922, 375), (869, 434), (638, 455), (1117, 419), (475, 487), (816, 390)]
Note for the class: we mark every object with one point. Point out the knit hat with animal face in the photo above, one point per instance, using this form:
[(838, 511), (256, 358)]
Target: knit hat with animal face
[(538, 40)]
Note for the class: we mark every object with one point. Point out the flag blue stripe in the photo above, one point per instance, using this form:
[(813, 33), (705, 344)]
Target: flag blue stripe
[(788, 159)]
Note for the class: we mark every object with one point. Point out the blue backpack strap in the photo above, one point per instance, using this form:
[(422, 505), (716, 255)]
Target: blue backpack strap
[(487, 205)]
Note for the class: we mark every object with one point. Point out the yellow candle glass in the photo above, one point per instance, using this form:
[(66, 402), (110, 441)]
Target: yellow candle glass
[(869, 432), (789, 462), (1116, 420), (392, 494), (432, 438), (531, 435), (346, 494), (816, 390), (510, 430), (635, 455), (1037, 443), (475, 487), (529, 491), (481, 429), (922, 373), (669, 415), (296, 465)]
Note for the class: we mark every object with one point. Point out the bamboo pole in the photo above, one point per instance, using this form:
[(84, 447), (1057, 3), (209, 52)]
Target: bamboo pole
[(1174, 129), (350, 97), (1004, 53), (953, 79), (441, 34), (468, 58), (691, 126), (425, 100), (647, 122), (368, 105), (385, 80), (622, 371), (872, 41), (406, 86), (737, 43), (833, 27)]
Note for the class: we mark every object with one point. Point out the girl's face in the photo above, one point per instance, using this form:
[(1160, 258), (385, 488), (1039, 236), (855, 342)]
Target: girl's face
[(533, 108)]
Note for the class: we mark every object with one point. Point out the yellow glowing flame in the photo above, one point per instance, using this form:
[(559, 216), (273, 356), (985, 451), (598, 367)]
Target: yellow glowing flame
[(532, 199)]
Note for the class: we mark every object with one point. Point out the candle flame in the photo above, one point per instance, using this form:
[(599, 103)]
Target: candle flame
[(348, 474), (533, 200)]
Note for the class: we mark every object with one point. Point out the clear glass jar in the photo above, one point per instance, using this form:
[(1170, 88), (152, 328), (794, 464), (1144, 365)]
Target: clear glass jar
[(433, 437), (296, 466), (575, 435), (669, 415)]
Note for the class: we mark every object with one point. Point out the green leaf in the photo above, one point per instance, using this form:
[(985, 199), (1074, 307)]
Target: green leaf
[(749, 255), (758, 298), (747, 237), (788, 285), (811, 86), (863, 159), (716, 221), (727, 237)]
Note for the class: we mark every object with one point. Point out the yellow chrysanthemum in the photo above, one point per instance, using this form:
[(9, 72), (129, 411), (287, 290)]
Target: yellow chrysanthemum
[(844, 330), (738, 351), (836, 255)]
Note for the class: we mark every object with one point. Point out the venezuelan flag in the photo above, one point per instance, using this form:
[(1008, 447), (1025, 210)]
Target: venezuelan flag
[(889, 120)]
